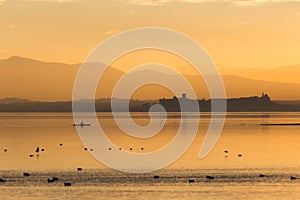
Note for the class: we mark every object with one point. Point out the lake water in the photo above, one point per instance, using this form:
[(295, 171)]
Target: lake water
[(270, 150)]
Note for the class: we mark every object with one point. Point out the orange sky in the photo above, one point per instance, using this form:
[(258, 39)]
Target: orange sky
[(251, 33)]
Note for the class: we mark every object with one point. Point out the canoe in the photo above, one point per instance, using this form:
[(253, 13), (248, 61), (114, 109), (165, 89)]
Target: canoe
[(81, 125)]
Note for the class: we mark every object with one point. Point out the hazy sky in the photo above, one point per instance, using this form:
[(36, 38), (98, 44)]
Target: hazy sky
[(237, 33)]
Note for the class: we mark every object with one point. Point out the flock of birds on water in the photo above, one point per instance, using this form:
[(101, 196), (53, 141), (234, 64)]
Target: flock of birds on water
[(67, 184)]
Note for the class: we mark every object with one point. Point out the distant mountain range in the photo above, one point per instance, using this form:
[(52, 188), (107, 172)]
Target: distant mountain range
[(49, 81), (288, 73)]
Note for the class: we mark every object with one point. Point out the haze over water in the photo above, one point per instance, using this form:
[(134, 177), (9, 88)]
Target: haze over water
[(269, 150)]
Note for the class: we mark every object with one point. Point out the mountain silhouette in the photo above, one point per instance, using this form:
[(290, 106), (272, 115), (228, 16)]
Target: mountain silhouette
[(52, 81), (287, 73)]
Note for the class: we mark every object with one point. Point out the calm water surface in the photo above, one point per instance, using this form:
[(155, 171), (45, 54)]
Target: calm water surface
[(270, 150)]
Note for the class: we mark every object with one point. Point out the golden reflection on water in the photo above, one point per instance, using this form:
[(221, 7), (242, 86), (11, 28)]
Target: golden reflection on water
[(259, 146)]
